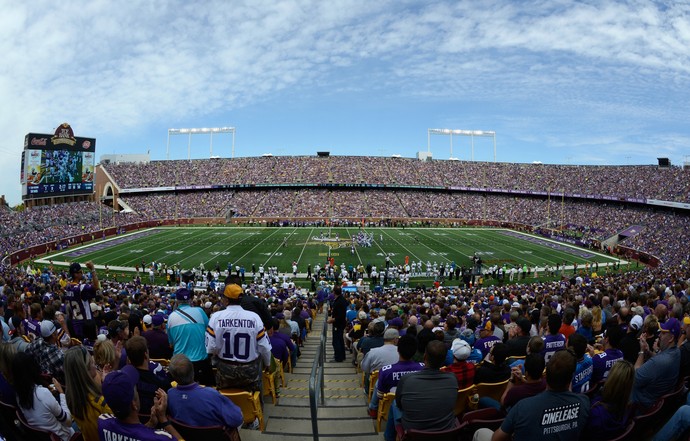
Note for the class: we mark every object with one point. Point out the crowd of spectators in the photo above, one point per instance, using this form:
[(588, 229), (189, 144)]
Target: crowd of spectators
[(639, 182), (661, 233)]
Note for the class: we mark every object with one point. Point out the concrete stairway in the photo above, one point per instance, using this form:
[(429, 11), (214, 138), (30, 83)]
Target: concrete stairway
[(344, 414)]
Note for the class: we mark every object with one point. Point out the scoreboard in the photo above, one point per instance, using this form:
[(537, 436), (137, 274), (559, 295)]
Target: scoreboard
[(57, 165)]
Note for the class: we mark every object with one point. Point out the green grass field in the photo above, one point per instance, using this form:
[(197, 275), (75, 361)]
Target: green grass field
[(188, 247)]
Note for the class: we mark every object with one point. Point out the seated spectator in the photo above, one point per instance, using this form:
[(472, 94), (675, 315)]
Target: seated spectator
[(583, 372), (462, 369), (282, 346), (382, 356), (494, 369), (555, 414), (487, 339), (520, 386), (517, 345), (40, 407), (630, 344), (425, 399), (658, 375), (685, 349), (567, 328), (677, 426), (450, 331), (604, 362), (534, 346), (373, 339), (7, 354), (610, 413), (554, 341), (84, 391), (196, 405), (389, 376), (585, 328), (120, 393), (149, 381)]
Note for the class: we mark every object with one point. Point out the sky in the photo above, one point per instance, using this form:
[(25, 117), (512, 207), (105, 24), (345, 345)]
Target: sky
[(593, 82)]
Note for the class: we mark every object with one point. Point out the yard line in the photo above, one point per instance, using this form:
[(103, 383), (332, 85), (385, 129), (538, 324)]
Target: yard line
[(279, 247), (382, 250), (305, 245), (262, 241), (222, 242), (403, 246), (432, 250), (347, 230)]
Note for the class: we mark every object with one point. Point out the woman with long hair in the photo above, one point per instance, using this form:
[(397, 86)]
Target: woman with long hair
[(610, 413), (40, 407), (84, 397), (7, 392), (106, 357)]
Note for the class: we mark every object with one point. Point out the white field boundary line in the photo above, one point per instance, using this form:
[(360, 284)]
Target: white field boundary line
[(279, 246), (47, 259), (299, 259)]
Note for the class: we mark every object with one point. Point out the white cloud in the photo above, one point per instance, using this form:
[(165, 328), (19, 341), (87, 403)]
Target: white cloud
[(109, 68)]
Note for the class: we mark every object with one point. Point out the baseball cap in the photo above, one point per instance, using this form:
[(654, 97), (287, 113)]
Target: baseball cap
[(461, 349), (157, 320), (488, 326), (671, 325), (147, 319), (636, 322), (208, 305), (232, 291), (48, 328), (361, 315), (95, 307), (118, 388), (183, 295), (397, 322), (686, 320), (116, 326), (391, 334), (516, 305), (73, 268)]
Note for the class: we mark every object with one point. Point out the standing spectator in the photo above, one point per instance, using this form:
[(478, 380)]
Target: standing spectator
[(78, 295), (337, 319), (238, 342), (149, 380), (186, 333), (46, 351), (157, 339)]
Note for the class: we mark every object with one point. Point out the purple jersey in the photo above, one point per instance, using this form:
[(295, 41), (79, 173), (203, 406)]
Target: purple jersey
[(552, 344), (110, 428), (603, 363), (390, 375), (485, 344), (78, 297), (32, 327)]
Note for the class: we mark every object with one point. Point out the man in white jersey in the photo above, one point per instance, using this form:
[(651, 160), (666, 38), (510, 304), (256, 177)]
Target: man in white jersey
[(238, 342)]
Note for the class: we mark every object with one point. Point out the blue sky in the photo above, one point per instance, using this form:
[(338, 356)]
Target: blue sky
[(558, 81)]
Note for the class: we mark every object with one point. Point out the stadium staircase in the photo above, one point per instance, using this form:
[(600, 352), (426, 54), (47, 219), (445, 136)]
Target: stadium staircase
[(344, 415)]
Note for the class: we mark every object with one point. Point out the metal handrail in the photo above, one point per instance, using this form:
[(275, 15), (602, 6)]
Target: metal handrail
[(316, 382)]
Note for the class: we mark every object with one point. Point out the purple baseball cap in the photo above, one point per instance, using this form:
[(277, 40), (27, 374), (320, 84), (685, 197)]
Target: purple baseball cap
[(118, 388), (157, 319), (183, 295), (671, 325)]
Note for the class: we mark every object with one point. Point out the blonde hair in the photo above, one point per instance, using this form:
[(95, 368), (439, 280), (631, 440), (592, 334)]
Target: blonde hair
[(104, 353), (618, 387)]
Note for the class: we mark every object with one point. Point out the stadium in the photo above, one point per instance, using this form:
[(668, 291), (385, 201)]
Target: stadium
[(444, 235)]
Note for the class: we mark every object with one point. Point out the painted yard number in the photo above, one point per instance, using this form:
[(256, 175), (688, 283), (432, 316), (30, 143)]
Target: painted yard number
[(220, 253), (136, 251), (433, 253), (173, 252)]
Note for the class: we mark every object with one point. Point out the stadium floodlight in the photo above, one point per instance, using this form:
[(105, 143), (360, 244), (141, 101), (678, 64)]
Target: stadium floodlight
[(202, 131), (470, 133)]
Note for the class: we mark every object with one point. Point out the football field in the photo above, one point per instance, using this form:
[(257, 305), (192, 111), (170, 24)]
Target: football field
[(189, 247)]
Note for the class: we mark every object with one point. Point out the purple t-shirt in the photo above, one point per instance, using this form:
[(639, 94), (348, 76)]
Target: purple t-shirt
[(110, 428), (390, 375), (485, 344), (552, 344), (33, 327), (603, 363), (78, 297)]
